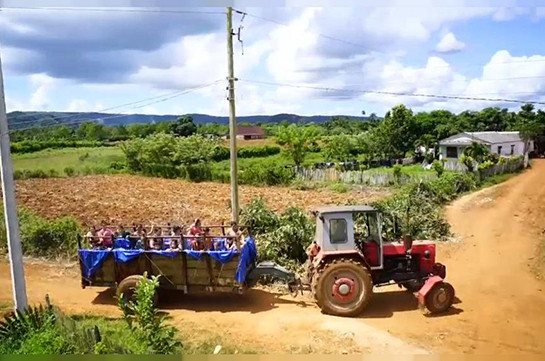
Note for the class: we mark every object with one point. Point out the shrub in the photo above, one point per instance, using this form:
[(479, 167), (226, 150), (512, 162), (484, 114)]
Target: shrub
[(28, 146), (69, 171), (199, 172), (339, 187), (44, 238), (143, 318), (397, 172), (117, 166), (257, 151), (485, 165), (83, 157), (438, 168), (266, 175), (283, 238), (220, 153)]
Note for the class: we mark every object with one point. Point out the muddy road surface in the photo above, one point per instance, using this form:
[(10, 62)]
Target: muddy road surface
[(492, 265)]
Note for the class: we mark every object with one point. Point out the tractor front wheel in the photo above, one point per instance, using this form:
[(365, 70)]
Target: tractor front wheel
[(343, 287), (439, 298)]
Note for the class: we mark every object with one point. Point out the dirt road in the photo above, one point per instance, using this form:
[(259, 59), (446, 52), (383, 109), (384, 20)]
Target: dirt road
[(500, 308)]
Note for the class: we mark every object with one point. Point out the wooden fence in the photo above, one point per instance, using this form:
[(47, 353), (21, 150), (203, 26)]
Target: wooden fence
[(373, 178), (360, 177)]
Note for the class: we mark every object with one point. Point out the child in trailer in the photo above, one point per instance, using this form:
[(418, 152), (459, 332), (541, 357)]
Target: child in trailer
[(233, 237), (92, 237), (156, 240), (175, 240)]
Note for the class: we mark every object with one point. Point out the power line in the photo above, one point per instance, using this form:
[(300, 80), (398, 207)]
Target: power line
[(79, 121), (325, 36), (456, 97), (329, 37), (159, 11)]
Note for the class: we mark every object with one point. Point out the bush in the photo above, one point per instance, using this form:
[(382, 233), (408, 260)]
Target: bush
[(266, 175), (220, 153), (339, 187), (46, 331), (283, 238), (44, 238), (397, 168), (257, 151), (438, 168), (485, 165), (28, 146), (69, 171), (199, 172), (143, 318)]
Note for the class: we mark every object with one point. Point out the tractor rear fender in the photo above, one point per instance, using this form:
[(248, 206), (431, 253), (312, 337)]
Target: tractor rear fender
[(328, 255), (428, 285)]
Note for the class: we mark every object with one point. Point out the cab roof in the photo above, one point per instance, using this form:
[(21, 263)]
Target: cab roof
[(343, 209)]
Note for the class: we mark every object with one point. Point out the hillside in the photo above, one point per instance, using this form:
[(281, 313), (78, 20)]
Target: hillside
[(20, 119)]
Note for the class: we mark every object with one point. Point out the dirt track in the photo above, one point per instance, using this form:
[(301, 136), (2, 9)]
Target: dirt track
[(500, 308)]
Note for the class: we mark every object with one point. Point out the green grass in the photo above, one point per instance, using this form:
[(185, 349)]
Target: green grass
[(59, 159)]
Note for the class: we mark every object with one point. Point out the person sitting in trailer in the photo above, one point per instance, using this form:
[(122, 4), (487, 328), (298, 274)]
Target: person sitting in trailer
[(106, 236), (167, 233), (194, 230), (156, 240), (92, 237), (175, 240), (233, 236)]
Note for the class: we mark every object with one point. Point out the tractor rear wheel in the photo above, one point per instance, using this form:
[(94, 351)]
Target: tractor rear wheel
[(126, 289), (343, 287), (439, 298)]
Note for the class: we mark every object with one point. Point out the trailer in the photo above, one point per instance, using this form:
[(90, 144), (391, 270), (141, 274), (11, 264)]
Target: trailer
[(190, 271)]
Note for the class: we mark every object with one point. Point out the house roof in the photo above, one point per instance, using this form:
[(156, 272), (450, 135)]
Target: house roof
[(250, 130), (343, 209), (466, 138)]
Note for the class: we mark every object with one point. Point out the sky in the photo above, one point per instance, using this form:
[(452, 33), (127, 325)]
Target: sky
[(140, 58)]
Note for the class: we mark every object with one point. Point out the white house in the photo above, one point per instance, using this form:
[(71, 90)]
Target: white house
[(503, 143)]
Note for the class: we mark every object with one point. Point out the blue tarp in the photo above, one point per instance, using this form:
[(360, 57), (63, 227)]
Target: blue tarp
[(93, 259), (247, 257)]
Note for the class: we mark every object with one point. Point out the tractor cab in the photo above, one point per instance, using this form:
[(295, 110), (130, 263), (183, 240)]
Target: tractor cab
[(341, 229)]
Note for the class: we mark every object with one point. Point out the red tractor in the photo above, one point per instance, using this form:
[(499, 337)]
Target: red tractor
[(349, 257)]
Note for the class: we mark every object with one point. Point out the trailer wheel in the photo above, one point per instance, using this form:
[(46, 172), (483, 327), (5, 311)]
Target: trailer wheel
[(126, 289), (343, 287), (439, 298)]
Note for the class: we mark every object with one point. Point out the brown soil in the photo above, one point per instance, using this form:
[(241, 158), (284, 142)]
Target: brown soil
[(128, 199), (499, 308)]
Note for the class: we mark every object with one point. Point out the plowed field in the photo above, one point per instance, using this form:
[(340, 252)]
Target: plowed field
[(128, 198)]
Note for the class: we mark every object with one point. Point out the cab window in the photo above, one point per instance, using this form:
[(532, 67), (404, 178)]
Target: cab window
[(337, 231)]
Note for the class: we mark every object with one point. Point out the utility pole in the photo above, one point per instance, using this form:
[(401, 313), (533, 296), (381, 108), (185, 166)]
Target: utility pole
[(10, 207), (232, 119)]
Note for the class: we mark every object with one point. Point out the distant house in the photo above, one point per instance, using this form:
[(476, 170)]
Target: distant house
[(248, 132), (503, 143)]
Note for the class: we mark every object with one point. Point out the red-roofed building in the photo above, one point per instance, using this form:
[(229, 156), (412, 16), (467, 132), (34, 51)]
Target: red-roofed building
[(248, 132)]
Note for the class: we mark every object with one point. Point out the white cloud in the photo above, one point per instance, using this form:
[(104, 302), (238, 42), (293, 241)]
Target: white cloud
[(449, 43), (540, 12), (43, 86), (509, 13), (82, 105)]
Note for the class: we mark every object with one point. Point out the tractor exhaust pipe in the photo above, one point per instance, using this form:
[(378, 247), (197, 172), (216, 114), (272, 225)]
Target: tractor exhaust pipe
[(408, 243)]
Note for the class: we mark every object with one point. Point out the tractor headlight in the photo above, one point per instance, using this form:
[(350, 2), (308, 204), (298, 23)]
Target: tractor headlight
[(427, 254)]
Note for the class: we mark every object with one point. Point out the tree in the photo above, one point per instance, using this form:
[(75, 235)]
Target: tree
[(183, 127), (529, 124), (92, 131), (399, 132), (338, 148), (297, 141)]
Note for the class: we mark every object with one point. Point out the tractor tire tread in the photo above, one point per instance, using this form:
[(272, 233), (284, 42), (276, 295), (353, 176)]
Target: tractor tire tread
[(366, 280)]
